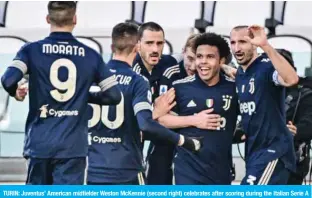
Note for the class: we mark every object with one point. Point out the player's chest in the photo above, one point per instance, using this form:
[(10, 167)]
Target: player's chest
[(222, 101), (248, 87)]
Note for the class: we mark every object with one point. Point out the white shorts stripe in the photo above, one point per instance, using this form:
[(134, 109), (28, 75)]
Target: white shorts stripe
[(268, 172)]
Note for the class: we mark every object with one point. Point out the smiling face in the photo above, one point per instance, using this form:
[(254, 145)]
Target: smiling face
[(242, 49), (207, 62)]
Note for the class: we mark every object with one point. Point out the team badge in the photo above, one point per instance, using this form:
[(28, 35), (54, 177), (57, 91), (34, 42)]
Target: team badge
[(252, 86), (209, 103), (227, 102)]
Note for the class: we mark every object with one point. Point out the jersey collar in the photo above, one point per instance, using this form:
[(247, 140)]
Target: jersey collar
[(62, 35), (118, 63), (252, 66)]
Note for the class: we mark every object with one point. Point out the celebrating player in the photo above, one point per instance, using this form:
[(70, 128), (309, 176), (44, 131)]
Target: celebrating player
[(56, 141), (115, 155), (217, 97), (260, 82), (160, 160)]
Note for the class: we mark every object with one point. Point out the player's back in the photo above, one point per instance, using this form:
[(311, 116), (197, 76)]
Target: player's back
[(61, 71), (212, 163), (115, 143)]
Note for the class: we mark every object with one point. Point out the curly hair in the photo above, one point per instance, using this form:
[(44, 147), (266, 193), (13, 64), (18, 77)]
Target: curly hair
[(216, 40)]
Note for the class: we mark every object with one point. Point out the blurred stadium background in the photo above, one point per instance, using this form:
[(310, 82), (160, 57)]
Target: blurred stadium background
[(288, 25)]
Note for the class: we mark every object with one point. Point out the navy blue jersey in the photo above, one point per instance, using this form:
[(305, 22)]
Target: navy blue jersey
[(213, 162), (157, 71), (262, 106), (115, 152), (171, 74), (61, 71)]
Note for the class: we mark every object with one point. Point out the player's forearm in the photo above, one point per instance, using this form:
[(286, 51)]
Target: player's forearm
[(281, 65), (10, 80), (174, 122), (154, 130), (112, 96)]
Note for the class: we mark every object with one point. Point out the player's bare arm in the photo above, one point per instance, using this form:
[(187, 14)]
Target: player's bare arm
[(287, 76), (203, 120)]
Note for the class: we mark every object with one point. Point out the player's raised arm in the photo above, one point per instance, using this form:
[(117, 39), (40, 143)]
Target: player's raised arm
[(110, 93), (285, 74), (15, 72), (143, 111)]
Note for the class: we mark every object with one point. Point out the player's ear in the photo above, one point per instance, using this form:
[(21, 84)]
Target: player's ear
[(136, 48), (48, 19), (222, 61), (139, 45), (75, 20)]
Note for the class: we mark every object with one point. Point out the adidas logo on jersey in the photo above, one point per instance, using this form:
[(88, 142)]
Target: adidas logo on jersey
[(45, 112), (191, 104)]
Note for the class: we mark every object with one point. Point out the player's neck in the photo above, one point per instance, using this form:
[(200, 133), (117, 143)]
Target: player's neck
[(61, 29), (213, 81), (127, 59), (255, 56), (148, 67)]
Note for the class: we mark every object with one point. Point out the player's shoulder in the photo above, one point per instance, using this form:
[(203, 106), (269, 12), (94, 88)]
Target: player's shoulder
[(171, 71), (264, 62), (28, 45), (167, 61), (137, 68), (184, 81), (171, 59)]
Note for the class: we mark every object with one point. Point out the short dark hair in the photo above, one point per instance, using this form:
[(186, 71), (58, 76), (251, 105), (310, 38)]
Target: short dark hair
[(61, 13), (124, 37), (216, 40), (152, 26)]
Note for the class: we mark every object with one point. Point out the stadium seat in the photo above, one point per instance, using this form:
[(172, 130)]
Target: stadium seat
[(12, 127), (298, 13), (172, 14), (27, 14), (98, 14), (233, 13)]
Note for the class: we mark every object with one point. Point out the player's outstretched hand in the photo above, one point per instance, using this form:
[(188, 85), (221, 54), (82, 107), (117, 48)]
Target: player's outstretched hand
[(164, 103), (21, 92), (292, 128), (207, 120), (191, 143), (257, 36)]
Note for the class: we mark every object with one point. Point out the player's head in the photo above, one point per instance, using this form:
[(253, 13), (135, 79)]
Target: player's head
[(62, 14), (244, 52), (211, 52), (151, 42), (125, 39), (189, 55)]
